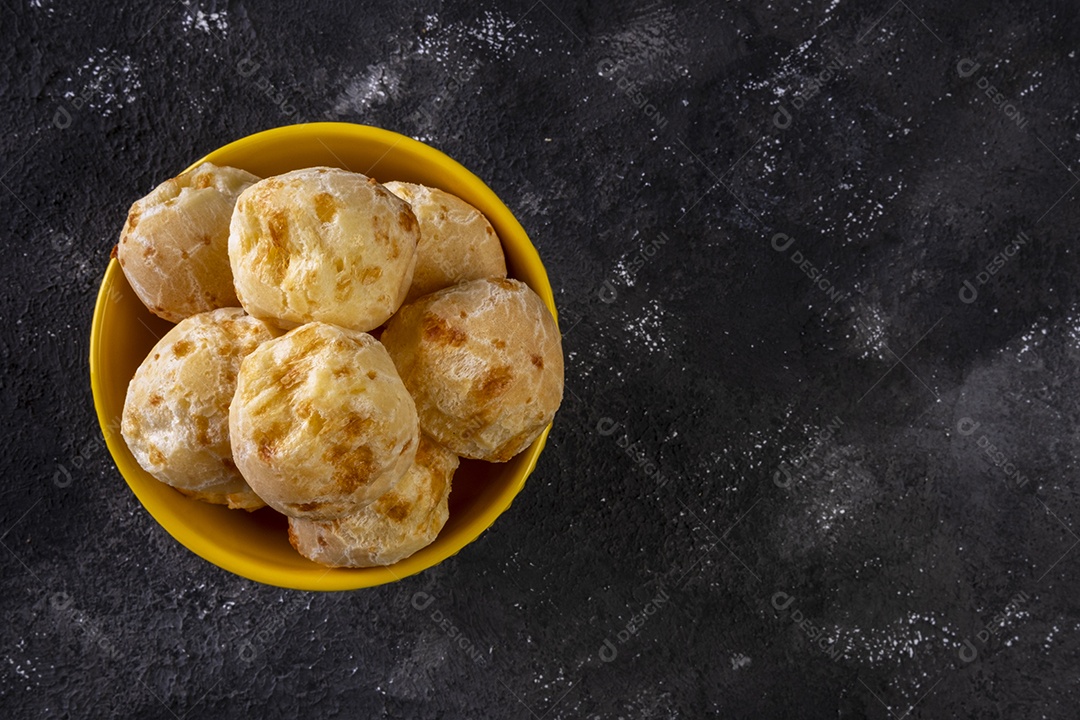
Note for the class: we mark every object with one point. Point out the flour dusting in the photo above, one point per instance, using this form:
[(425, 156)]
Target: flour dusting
[(107, 81), (206, 21), (648, 329), (453, 53), (378, 84)]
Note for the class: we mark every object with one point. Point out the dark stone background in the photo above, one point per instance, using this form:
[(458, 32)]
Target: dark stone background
[(797, 436)]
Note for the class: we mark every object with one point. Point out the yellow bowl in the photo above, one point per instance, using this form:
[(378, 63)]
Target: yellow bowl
[(255, 545)]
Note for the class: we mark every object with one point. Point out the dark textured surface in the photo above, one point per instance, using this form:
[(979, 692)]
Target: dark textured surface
[(833, 485)]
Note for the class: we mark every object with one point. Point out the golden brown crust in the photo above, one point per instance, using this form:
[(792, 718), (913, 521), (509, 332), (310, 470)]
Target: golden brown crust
[(245, 499), (174, 245), (176, 413), (321, 424), (322, 244), (402, 521), (483, 361), (457, 243)]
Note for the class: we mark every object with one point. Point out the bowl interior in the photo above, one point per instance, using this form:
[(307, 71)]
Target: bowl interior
[(255, 545)]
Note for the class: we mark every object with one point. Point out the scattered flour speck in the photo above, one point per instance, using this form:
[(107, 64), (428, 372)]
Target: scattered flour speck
[(107, 81), (648, 328), (205, 21)]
